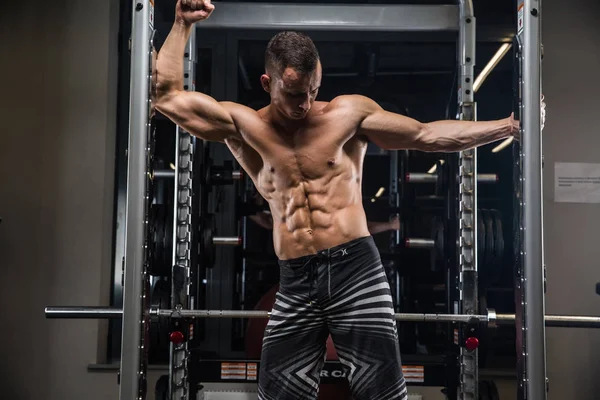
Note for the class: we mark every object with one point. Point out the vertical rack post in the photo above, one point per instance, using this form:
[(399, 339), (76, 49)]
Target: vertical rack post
[(533, 338), (467, 171), (182, 236), (134, 343), (394, 202)]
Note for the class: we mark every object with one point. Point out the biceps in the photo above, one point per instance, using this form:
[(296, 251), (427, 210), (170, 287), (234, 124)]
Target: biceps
[(198, 114), (389, 130)]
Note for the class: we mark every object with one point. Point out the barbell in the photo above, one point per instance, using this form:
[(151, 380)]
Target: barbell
[(490, 318)]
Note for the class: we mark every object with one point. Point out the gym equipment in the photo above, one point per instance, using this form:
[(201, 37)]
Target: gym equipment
[(161, 389), (562, 321), (137, 312), (159, 328), (208, 241), (488, 391), (160, 240), (528, 206), (420, 177), (440, 178), (490, 245)]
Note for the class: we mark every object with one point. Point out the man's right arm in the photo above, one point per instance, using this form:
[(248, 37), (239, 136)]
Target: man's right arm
[(197, 113)]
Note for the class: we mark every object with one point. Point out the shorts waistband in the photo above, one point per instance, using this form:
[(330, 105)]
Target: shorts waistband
[(331, 252)]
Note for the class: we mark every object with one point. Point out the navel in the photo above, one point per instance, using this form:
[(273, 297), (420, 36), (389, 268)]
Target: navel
[(331, 162)]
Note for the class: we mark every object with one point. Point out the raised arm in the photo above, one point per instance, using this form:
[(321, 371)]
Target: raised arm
[(394, 131), (197, 113)]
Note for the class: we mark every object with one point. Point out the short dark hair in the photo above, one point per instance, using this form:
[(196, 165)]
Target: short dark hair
[(291, 49)]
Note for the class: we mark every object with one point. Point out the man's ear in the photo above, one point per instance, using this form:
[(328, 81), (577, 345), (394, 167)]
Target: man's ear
[(265, 81)]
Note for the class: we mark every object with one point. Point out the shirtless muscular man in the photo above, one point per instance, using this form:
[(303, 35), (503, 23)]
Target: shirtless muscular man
[(305, 158)]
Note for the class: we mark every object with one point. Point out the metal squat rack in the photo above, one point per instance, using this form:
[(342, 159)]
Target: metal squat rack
[(530, 318)]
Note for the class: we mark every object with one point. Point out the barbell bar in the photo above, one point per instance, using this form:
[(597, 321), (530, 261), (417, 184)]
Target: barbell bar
[(227, 240), (565, 321), (163, 174), (421, 177)]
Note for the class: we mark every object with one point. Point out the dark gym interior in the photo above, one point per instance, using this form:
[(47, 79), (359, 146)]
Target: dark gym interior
[(60, 207)]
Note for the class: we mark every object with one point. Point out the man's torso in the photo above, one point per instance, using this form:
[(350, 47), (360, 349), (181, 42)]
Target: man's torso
[(311, 178)]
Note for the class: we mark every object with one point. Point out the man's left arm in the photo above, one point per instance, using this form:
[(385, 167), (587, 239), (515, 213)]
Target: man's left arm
[(394, 131)]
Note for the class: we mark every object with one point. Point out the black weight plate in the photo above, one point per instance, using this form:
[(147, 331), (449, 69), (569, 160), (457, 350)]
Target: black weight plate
[(159, 329), (161, 390), (436, 254), (480, 239), (440, 184), (162, 238), (483, 335), (156, 240), (498, 244), (207, 248), (489, 238), (168, 238), (486, 390), (439, 242)]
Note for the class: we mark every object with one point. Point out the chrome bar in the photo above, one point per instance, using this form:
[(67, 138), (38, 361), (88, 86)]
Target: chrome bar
[(236, 175), (83, 312), (227, 240), (422, 177), (418, 243), (333, 17), (163, 174)]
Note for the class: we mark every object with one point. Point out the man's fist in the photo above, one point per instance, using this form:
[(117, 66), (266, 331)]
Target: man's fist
[(192, 11), (516, 124)]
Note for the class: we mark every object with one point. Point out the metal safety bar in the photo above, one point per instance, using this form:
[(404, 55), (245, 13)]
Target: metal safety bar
[(578, 321)]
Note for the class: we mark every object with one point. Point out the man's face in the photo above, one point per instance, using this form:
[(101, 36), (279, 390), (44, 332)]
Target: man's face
[(293, 93)]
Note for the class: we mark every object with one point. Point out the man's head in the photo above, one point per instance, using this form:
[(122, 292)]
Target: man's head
[(292, 73)]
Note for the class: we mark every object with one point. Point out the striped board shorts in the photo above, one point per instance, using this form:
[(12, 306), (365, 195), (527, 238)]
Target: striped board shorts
[(343, 292)]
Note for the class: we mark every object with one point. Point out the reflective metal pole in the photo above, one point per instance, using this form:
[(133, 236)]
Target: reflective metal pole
[(133, 366), (534, 304)]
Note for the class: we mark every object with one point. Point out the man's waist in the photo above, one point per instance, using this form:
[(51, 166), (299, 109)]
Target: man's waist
[(333, 251)]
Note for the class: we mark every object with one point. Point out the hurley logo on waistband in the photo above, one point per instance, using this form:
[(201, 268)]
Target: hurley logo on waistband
[(344, 252)]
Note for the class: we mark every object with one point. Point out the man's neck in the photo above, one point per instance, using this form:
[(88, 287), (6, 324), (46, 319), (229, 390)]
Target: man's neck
[(286, 125)]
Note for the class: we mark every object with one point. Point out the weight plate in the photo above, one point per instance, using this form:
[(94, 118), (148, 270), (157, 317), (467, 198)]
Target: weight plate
[(440, 184), (484, 390), (436, 255), (489, 238), (207, 248), (161, 390), (498, 245), (488, 391), (159, 329), (157, 240), (484, 341), (160, 240), (480, 239)]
